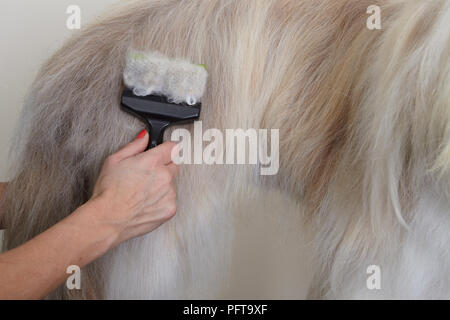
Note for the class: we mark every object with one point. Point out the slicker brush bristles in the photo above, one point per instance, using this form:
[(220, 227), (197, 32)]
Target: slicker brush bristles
[(152, 73)]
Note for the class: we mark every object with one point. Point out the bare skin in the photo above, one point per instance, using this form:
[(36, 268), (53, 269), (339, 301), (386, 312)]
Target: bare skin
[(135, 194), (3, 186)]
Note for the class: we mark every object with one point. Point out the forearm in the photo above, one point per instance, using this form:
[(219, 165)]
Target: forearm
[(35, 269), (2, 190)]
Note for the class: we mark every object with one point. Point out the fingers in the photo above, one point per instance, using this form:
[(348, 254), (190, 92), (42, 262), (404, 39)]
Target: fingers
[(162, 154), (133, 148)]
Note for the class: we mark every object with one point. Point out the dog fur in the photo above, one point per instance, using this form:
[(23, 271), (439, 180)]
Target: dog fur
[(364, 119)]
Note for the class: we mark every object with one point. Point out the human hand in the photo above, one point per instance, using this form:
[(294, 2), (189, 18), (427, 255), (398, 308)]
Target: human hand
[(135, 192)]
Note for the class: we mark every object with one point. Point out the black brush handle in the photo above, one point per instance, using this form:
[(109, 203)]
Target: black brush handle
[(156, 130), (158, 113)]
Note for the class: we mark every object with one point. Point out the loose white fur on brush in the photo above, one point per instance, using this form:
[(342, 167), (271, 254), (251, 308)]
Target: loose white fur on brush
[(153, 73), (364, 119)]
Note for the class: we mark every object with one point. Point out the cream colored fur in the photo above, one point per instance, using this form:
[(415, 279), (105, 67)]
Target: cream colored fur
[(364, 149)]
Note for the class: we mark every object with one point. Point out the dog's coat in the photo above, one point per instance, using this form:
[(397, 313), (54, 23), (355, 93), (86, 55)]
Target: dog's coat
[(364, 146)]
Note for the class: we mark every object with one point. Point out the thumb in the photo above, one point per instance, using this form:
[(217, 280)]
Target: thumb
[(135, 147)]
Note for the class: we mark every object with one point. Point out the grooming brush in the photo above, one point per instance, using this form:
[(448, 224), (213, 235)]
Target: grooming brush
[(162, 91)]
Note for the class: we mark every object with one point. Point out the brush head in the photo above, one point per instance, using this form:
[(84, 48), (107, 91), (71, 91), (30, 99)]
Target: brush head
[(153, 73), (158, 113), (159, 107), (162, 91)]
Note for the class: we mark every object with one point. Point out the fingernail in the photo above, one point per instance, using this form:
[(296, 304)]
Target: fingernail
[(141, 134)]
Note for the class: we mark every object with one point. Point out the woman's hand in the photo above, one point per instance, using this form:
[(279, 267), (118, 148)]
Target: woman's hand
[(134, 195), (135, 190)]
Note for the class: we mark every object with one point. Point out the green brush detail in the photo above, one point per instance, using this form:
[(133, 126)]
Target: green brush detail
[(137, 56)]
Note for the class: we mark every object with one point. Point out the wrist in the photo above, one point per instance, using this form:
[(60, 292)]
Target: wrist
[(99, 235)]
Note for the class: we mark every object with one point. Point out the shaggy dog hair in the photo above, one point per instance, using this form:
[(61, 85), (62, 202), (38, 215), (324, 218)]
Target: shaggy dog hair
[(364, 119)]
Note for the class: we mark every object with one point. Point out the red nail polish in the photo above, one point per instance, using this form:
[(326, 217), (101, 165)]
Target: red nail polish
[(141, 134)]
